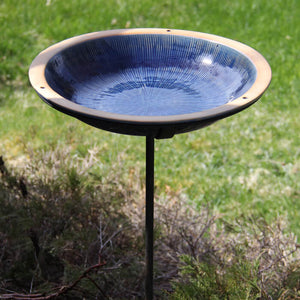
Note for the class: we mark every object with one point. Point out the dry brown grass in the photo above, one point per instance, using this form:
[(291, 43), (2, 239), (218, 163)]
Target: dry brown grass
[(94, 225)]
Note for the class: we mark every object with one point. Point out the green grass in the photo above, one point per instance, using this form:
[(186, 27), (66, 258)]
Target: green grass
[(246, 163)]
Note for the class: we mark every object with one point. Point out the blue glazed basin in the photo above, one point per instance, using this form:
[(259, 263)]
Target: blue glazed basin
[(155, 82)]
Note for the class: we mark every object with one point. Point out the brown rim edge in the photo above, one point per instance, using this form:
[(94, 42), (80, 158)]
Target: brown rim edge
[(39, 82)]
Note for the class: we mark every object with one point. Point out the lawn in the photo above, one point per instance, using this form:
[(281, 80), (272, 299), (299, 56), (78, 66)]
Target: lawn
[(249, 162), (246, 164)]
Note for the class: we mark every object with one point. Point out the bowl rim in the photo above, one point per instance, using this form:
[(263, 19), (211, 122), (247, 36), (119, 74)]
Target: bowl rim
[(39, 83)]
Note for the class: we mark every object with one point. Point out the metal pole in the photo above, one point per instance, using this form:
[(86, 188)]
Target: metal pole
[(149, 215)]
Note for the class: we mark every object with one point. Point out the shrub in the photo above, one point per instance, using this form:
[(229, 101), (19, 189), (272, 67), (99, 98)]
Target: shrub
[(68, 233)]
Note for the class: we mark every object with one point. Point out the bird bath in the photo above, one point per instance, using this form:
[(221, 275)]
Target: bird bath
[(149, 82)]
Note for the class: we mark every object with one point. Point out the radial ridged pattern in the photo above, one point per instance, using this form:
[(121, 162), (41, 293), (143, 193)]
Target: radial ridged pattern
[(150, 74)]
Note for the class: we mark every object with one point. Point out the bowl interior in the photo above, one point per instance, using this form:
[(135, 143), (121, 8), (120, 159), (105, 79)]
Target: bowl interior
[(150, 74)]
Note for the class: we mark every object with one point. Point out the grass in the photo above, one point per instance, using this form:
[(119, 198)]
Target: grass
[(65, 233), (246, 164)]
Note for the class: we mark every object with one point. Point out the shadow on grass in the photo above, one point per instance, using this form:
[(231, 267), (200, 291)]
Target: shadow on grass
[(56, 237)]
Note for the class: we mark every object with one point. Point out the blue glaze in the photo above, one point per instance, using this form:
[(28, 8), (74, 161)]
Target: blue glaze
[(150, 75)]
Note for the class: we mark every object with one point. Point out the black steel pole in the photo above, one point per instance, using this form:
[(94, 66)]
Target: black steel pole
[(149, 215)]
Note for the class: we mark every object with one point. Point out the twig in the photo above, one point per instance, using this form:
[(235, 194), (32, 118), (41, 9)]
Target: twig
[(61, 291), (276, 261), (97, 286)]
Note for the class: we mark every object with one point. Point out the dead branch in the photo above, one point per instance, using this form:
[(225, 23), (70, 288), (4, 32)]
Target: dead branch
[(62, 290)]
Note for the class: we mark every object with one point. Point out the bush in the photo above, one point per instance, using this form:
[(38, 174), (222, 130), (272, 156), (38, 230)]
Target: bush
[(68, 233)]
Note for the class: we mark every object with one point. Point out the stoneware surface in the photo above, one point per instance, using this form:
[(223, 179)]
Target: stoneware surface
[(155, 82)]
